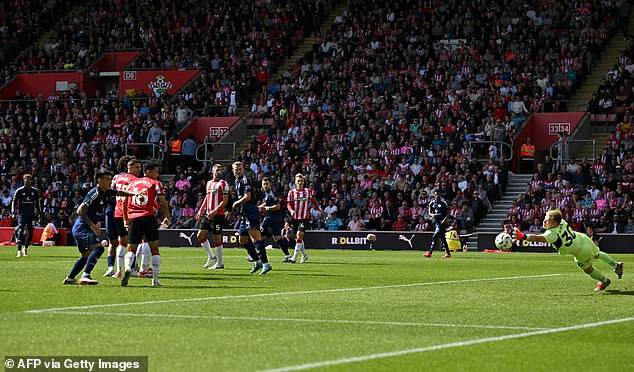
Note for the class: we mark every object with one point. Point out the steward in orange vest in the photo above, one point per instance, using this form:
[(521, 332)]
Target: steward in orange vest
[(527, 152)]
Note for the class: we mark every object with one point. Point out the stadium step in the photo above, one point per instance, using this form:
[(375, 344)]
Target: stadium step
[(493, 221), (586, 150), (616, 45), (307, 43)]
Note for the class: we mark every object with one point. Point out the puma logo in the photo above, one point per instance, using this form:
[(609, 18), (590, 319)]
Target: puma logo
[(409, 241), (189, 238)]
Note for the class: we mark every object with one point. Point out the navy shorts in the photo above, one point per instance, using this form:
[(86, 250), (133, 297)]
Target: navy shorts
[(85, 238), (111, 226), (25, 221), (250, 220), (271, 226)]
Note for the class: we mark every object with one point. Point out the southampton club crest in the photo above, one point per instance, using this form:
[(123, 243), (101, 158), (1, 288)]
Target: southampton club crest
[(160, 85)]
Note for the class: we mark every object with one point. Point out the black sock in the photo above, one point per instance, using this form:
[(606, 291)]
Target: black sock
[(283, 246), (251, 251), (259, 246), (79, 265), (110, 261)]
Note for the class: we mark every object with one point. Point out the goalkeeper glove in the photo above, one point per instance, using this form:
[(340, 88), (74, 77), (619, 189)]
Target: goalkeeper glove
[(519, 235)]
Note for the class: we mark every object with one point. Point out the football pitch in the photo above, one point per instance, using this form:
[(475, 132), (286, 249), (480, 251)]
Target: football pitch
[(340, 311)]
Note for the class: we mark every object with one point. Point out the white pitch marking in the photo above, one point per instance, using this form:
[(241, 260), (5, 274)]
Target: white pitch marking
[(363, 358), (258, 319), (289, 293)]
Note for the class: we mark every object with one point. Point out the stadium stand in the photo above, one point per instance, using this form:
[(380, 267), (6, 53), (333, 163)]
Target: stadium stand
[(378, 114)]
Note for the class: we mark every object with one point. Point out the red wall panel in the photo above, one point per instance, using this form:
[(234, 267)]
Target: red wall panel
[(7, 232), (147, 81), (114, 61), (538, 130), (200, 127)]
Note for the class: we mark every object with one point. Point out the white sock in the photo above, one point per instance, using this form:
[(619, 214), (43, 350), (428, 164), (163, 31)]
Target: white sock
[(156, 267), (129, 258), (145, 260), (219, 254), (119, 257), (298, 248), (207, 247), (303, 249), (139, 255)]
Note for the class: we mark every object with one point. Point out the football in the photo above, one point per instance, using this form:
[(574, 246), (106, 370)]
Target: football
[(503, 241), (371, 237), (104, 243)]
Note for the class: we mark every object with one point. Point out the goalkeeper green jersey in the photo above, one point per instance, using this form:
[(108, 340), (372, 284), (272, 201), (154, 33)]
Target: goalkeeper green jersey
[(567, 241)]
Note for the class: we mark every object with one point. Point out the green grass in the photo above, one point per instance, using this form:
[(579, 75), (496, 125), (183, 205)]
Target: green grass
[(280, 330)]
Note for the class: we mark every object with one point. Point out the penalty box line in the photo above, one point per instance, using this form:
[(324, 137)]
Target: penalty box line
[(300, 320), (274, 294), (364, 358)]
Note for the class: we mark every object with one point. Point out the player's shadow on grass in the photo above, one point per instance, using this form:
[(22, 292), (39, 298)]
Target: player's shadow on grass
[(181, 287), (619, 292), (183, 277), (304, 273), (353, 263)]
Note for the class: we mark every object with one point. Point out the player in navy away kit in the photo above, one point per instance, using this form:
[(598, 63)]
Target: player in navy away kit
[(250, 220), (86, 231), (438, 210), (273, 217), (27, 199)]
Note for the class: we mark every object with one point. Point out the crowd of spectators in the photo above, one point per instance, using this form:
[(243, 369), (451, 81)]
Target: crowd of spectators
[(62, 139), (236, 44), (381, 112), (596, 194), (398, 86), (614, 94), (23, 23)]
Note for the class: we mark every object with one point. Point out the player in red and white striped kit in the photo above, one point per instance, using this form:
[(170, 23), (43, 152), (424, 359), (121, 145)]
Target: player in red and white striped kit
[(142, 217), (299, 201), (211, 216), (130, 169)]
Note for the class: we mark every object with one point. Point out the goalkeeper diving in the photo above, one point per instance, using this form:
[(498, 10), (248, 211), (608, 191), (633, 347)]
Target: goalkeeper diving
[(567, 241)]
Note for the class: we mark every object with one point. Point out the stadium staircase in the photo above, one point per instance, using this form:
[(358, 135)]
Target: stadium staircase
[(616, 45), (492, 223), (586, 150), (300, 51), (307, 44)]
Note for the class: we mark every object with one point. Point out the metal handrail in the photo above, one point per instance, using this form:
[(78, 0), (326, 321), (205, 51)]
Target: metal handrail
[(564, 149), (499, 148), (154, 149), (207, 152), (216, 149)]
